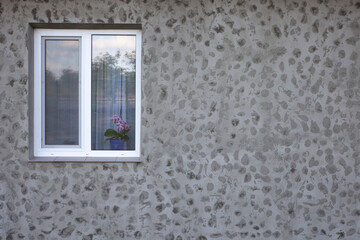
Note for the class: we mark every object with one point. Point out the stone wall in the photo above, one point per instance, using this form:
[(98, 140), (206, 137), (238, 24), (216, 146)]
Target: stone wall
[(250, 125)]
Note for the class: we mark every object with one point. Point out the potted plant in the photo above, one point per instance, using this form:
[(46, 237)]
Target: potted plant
[(119, 137)]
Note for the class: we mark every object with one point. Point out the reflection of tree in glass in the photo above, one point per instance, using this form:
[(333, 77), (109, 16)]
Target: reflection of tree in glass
[(61, 107), (66, 86), (105, 60), (124, 61), (131, 58)]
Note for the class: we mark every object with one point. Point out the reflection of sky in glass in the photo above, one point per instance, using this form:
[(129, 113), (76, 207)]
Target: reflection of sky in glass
[(61, 55), (115, 45)]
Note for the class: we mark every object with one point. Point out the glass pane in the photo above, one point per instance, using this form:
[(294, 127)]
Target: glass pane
[(113, 90), (61, 92)]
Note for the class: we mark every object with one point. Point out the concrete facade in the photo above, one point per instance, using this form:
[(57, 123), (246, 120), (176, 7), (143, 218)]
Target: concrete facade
[(250, 125)]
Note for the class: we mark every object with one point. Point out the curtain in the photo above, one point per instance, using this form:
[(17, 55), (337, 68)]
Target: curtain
[(113, 93)]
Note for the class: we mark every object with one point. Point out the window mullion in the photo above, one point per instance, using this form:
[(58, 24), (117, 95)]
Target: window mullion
[(86, 87)]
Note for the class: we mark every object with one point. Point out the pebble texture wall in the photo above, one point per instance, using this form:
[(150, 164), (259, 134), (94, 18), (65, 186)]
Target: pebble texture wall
[(250, 128)]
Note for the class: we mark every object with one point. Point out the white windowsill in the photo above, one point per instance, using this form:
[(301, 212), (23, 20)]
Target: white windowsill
[(85, 159)]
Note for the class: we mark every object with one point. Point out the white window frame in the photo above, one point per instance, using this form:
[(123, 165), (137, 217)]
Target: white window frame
[(84, 150)]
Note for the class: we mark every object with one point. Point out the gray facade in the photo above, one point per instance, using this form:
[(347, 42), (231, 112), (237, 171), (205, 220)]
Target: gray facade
[(250, 125)]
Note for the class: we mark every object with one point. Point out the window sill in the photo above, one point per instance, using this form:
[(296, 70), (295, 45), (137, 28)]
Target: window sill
[(85, 159)]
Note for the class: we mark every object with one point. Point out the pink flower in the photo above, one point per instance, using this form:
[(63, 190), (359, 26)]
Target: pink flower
[(120, 124)]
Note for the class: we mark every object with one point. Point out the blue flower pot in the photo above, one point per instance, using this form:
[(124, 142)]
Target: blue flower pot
[(117, 144)]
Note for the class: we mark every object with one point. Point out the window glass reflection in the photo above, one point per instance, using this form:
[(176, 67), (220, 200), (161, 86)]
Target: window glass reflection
[(61, 92), (113, 87)]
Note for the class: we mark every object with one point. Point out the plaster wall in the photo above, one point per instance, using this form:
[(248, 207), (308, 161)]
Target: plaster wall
[(250, 126)]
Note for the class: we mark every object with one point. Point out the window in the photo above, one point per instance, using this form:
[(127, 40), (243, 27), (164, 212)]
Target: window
[(82, 78)]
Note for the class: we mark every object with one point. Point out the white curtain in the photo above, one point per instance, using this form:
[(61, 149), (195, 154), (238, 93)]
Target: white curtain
[(110, 96)]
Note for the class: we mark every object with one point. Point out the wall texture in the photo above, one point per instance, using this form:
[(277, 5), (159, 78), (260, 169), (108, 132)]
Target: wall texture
[(250, 128)]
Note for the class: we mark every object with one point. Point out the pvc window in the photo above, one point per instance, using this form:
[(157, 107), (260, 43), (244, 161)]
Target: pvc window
[(82, 78)]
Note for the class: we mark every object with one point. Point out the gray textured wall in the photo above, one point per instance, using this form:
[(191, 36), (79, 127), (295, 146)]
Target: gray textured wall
[(250, 128)]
